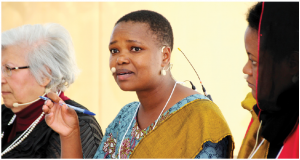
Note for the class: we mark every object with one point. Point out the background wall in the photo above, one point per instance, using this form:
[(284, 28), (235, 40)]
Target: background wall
[(210, 33)]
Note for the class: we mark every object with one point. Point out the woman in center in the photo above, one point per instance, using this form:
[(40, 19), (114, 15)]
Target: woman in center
[(170, 120)]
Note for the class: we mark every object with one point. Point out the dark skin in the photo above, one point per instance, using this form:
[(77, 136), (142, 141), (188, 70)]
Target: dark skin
[(148, 114), (131, 44), (138, 58), (250, 67), (290, 63)]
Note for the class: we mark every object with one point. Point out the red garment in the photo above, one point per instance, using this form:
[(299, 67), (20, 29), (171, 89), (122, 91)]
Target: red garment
[(28, 115), (291, 145)]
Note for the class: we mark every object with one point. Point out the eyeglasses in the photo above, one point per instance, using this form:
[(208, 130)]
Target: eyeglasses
[(7, 70)]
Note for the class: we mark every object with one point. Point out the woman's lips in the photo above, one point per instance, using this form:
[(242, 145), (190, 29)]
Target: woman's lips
[(5, 93), (251, 85), (123, 74), (124, 77)]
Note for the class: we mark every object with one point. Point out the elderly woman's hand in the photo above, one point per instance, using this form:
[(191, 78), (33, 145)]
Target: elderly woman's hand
[(60, 118)]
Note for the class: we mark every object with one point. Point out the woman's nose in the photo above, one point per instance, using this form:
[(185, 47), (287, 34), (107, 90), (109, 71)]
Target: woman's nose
[(3, 80), (122, 60), (248, 69)]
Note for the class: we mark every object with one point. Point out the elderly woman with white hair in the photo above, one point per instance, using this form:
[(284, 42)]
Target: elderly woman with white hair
[(37, 59)]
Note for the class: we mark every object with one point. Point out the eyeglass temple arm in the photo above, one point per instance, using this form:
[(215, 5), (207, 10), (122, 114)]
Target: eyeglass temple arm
[(20, 67)]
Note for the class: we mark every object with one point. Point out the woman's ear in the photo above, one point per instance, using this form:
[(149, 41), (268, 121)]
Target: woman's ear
[(166, 55), (46, 80)]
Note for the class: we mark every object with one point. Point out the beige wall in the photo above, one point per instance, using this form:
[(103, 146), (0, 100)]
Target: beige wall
[(210, 34)]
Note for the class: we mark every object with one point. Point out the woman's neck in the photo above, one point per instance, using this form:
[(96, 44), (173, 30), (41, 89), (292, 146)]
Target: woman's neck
[(153, 98), (153, 101)]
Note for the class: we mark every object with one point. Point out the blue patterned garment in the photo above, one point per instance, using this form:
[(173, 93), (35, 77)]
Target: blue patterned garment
[(114, 134)]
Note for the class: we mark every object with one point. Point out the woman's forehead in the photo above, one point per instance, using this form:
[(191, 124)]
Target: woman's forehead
[(13, 55), (132, 31)]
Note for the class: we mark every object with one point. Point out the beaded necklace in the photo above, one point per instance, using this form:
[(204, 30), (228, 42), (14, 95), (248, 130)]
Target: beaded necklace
[(25, 134), (155, 121)]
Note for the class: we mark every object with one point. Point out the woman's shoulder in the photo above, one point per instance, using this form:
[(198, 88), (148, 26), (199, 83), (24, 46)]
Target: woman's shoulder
[(196, 96), (5, 109), (90, 131), (248, 102), (74, 103), (124, 114), (129, 107), (199, 104), (6, 114), (84, 118)]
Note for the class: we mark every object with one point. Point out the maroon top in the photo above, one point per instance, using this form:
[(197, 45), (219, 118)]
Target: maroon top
[(28, 115)]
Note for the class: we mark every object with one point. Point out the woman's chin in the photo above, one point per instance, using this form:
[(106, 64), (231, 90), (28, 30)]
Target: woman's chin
[(126, 87), (7, 103)]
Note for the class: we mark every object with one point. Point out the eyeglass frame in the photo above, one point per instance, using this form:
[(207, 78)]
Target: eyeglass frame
[(4, 69)]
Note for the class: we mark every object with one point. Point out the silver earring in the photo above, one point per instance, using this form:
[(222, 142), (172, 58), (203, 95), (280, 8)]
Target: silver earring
[(113, 69), (295, 78)]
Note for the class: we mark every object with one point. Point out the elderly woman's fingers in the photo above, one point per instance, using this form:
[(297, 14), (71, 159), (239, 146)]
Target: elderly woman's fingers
[(46, 109), (47, 106), (49, 103), (67, 110), (54, 97)]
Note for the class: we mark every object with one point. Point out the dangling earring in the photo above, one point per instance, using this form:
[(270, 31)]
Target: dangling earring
[(295, 78), (164, 71)]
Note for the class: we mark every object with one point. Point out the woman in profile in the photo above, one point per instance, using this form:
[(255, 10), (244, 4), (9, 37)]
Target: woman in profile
[(170, 121), (34, 60), (272, 45)]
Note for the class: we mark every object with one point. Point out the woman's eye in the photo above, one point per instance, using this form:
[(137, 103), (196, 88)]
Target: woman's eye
[(7, 67), (253, 62), (112, 51), (135, 49)]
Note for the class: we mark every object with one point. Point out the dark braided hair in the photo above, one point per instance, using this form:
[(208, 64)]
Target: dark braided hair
[(253, 15), (158, 24)]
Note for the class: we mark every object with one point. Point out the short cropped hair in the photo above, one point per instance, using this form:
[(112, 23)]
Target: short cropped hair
[(158, 24), (49, 48), (253, 15)]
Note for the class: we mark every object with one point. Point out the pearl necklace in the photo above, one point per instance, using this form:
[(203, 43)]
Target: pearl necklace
[(23, 135), (9, 123), (155, 121)]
